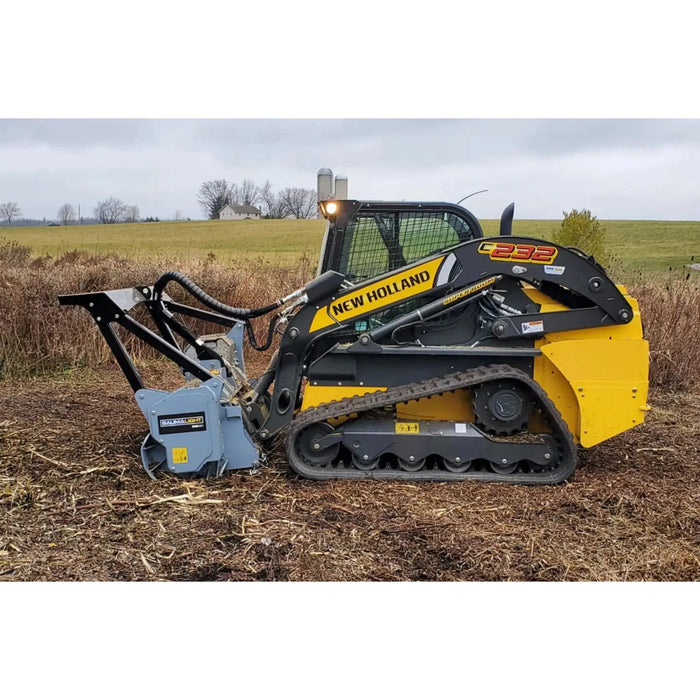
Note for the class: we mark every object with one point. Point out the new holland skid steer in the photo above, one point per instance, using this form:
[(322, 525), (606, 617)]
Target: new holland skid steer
[(421, 351)]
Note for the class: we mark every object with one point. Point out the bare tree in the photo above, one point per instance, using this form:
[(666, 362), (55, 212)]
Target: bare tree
[(66, 213), (274, 205), (301, 203), (110, 211), (178, 215), (132, 214), (248, 194), (10, 211), (214, 195)]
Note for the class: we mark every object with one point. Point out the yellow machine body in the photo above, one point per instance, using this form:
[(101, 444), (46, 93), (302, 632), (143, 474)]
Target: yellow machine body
[(596, 377)]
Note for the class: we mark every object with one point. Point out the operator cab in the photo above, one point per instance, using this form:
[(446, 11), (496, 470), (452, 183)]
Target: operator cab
[(367, 239)]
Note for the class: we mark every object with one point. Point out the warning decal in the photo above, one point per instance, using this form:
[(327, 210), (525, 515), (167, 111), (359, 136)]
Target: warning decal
[(406, 427), (533, 327), (179, 455)]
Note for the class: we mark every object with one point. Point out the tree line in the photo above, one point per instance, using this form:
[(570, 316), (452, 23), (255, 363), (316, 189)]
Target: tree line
[(108, 211), (212, 196), (288, 203)]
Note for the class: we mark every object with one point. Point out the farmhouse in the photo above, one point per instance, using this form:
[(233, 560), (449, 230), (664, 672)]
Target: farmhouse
[(235, 211)]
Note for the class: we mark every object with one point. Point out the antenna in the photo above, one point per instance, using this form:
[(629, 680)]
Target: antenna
[(471, 195)]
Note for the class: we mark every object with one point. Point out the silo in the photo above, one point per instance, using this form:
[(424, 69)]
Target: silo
[(325, 184), (341, 186)]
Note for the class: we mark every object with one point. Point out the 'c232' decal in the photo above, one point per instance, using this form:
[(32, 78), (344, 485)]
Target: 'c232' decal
[(540, 254)]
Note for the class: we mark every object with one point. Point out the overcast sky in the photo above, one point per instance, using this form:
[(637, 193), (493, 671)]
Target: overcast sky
[(620, 169)]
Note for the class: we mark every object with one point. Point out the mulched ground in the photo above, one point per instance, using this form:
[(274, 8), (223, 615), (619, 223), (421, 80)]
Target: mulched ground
[(75, 504)]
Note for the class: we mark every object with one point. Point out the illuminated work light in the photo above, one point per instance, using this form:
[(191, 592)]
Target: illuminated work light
[(331, 208)]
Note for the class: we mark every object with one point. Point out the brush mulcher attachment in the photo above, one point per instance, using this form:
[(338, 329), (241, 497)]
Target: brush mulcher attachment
[(421, 351)]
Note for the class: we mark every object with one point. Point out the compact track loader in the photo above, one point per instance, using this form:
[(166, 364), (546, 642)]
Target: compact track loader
[(421, 351)]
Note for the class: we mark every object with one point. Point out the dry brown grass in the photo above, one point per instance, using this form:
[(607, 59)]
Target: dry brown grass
[(75, 504), (37, 336), (671, 317)]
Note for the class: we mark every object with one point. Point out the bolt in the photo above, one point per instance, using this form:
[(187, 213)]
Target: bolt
[(116, 315), (99, 318), (293, 333), (411, 458), (140, 396), (364, 340), (317, 446), (91, 305), (249, 409), (365, 457), (153, 413), (458, 460), (547, 455), (504, 461)]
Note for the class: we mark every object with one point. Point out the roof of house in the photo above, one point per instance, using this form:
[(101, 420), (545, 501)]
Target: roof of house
[(242, 209)]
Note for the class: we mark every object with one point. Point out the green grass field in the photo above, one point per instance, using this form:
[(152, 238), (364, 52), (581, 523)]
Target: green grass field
[(647, 246)]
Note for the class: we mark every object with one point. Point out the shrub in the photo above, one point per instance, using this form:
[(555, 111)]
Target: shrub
[(582, 230)]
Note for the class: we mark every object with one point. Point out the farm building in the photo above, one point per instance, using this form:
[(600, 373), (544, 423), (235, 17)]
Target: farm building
[(235, 211)]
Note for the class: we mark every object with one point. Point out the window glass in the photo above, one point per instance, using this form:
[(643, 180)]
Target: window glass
[(377, 242)]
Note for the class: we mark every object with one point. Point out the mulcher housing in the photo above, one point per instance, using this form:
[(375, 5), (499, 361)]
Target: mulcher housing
[(421, 351)]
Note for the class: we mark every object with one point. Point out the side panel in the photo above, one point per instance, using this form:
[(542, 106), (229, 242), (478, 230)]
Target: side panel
[(609, 382), (597, 377)]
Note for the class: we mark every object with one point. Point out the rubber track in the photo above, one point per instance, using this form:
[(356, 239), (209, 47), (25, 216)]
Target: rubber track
[(419, 390)]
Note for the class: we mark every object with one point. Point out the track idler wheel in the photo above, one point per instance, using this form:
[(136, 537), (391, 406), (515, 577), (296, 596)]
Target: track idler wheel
[(457, 466), (501, 468), (308, 448), (365, 465), (415, 466)]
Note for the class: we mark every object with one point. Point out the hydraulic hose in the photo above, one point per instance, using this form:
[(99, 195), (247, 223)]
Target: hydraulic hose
[(199, 294)]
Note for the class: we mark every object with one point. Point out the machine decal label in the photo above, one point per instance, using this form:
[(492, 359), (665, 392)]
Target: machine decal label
[(406, 427), (378, 295), (469, 290), (540, 254), (181, 423), (180, 455), (554, 269), (533, 327)]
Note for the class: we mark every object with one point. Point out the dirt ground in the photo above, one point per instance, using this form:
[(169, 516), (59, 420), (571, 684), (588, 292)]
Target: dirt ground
[(75, 504)]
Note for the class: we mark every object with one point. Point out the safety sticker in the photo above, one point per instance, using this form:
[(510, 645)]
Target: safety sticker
[(532, 327), (554, 269), (405, 427), (179, 455)]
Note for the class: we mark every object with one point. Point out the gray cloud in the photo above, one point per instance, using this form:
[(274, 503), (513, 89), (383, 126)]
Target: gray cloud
[(618, 168)]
